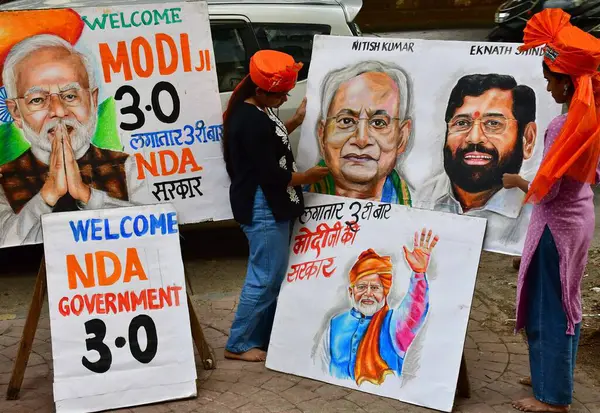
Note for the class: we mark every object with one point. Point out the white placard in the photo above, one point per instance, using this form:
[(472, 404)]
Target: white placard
[(118, 309), (142, 112), (355, 277), (400, 157)]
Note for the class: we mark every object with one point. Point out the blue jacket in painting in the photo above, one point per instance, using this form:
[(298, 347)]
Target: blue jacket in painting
[(346, 331)]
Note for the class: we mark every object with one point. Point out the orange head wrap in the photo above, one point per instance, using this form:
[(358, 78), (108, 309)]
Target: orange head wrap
[(370, 366), (274, 71), (19, 25), (573, 52), (369, 262)]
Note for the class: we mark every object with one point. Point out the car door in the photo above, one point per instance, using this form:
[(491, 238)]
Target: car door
[(295, 39), (234, 43)]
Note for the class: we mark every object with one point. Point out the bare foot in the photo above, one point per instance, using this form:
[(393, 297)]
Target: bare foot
[(531, 404), (253, 355), (525, 381)]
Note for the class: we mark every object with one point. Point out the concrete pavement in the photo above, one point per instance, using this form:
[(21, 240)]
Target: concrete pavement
[(496, 360)]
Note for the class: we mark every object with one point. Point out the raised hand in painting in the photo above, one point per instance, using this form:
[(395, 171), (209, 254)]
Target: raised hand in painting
[(418, 258)]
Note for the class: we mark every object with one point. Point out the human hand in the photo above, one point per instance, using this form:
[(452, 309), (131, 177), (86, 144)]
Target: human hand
[(511, 180), (77, 188), (55, 186), (300, 113), (315, 174), (418, 258)]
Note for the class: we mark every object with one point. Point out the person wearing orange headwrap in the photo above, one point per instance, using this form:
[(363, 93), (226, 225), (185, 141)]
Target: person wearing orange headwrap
[(265, 192), (369, 342), (563, 220)]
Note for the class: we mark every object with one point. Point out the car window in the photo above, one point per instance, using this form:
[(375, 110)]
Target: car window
[(293, 39), (233, 45)]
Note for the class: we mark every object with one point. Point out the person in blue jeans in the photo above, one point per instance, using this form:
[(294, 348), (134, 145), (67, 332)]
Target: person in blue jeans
[(265, 192)]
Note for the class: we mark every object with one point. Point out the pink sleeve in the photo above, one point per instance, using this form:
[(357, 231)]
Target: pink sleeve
[(410, 316)]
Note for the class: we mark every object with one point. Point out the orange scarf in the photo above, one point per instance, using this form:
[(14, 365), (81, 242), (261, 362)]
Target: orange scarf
[(370, 366), (569, 50)]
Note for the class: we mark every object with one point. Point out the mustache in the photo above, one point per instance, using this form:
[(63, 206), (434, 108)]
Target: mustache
[(362, 300), (474, 147), (74, 124)]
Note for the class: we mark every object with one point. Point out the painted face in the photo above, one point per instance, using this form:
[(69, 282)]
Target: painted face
[(368, 295), (53, 88), (362, 136), (482, 142)]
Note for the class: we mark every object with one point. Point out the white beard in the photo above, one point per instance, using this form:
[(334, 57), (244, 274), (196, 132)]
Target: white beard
[(368, 310), (81, 135)]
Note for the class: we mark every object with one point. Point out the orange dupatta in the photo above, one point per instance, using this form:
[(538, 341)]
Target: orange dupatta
[(569, 50), (370, 366)]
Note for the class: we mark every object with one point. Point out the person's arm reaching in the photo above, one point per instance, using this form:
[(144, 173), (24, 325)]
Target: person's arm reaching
[(292, 124), (259, 148), (314, 174), (510, 181)]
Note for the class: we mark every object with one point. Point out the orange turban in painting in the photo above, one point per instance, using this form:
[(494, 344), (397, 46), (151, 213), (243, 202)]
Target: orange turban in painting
[(17, 26), (571, 51), (274, 71), (370, 366)]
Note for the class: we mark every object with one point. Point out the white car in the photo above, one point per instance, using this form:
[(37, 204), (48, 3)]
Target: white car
[(242, 27)]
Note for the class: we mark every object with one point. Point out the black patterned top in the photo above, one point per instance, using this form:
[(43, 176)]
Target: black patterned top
[(261, 154)]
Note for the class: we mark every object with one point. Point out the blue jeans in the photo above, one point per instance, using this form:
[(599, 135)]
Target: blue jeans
[(267, 265), (552, 353)]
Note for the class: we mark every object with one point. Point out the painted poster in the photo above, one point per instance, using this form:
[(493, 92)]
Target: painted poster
[(377, 298), (118, 310), (428, 124), (108, 107)]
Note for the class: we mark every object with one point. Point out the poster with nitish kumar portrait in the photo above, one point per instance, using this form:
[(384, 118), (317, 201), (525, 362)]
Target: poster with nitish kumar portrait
[(428, 124), (377, 298), (108, 107)]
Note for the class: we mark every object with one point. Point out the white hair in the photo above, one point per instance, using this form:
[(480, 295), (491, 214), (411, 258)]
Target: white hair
[(335, 78), (368, 310), (32, 44)]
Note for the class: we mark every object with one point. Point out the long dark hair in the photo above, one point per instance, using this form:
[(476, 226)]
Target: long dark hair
[(244, 90)]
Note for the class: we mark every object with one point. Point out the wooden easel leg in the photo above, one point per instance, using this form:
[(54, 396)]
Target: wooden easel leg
[(463, 388), (31, 324), (208, 359)]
